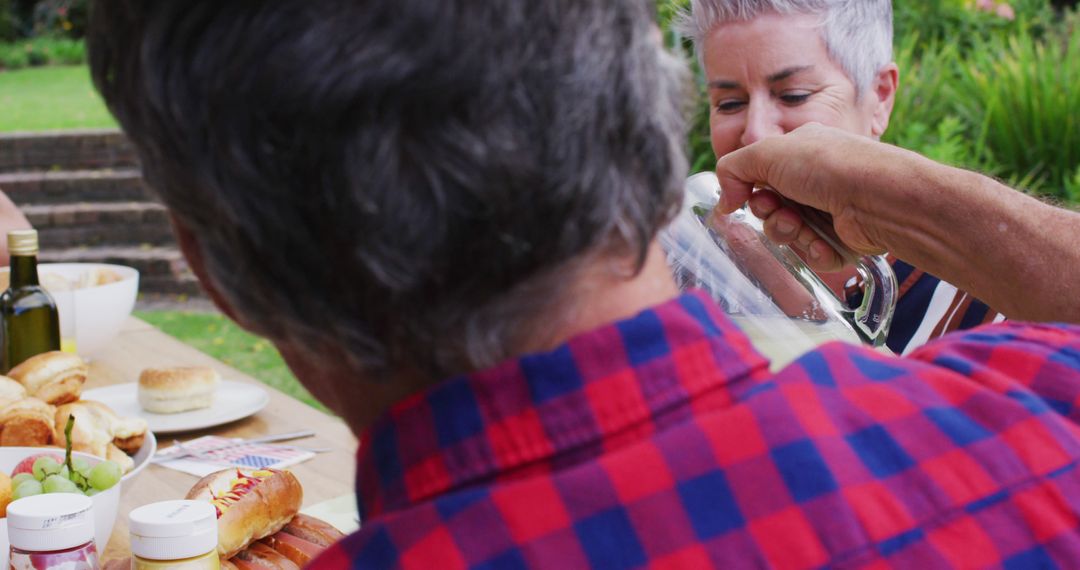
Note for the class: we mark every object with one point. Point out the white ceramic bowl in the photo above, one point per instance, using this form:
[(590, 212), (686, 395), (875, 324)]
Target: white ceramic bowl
[(99, 312), (106, 503), (142, 458)]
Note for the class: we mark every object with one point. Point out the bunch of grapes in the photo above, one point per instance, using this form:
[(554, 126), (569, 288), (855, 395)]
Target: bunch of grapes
[(49, 476), (75, 475)]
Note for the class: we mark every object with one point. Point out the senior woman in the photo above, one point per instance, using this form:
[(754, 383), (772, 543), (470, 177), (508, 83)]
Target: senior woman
[(774, 65)]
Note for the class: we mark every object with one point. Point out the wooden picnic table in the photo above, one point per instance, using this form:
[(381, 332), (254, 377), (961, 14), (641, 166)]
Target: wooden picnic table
[(138, 346)]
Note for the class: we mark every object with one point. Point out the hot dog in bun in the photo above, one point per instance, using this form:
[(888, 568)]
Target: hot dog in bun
[(251, 504)]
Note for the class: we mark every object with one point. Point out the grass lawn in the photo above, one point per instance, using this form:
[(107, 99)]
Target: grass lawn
[(50, 98), (219, 337)]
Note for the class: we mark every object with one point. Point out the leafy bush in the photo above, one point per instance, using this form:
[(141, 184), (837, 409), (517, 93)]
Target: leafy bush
[(958, 21), (60, 18), (42, 51), (13, 56), (7, 21), (922, 117), (1021, 95)]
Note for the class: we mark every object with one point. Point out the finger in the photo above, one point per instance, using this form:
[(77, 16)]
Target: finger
[(822, 257), (733, 193), (784, 226), (737, 172), (764, 202)]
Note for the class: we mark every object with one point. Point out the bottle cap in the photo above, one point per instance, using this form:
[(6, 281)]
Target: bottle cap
[(173, 530), (53, 521), (23, 242)]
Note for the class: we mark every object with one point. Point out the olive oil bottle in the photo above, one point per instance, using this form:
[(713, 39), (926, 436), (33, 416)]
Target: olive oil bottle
[(31, 324)]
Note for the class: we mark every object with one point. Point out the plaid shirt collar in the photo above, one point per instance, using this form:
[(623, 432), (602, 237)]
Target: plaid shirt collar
[(600, 390)]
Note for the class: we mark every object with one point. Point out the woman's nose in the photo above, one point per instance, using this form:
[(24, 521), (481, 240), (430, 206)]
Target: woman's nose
[(762, 121)]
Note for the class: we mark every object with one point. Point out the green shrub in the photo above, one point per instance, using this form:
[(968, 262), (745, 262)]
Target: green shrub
[(1021, 95), (42, 51), (7, 21), (13, 56), (958, 22)]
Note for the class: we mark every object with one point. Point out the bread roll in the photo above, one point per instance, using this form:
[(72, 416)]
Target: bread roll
[(10, 389), (54, 377), (174, 390), (5, 493), (27, 423), (251, 504), (96, 430)]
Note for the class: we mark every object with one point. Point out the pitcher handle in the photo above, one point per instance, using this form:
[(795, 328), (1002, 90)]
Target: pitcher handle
[(873, 316)]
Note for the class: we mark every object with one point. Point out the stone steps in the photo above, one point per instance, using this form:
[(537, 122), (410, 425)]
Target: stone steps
[(100, 223), (66, 150), (84, 192), (67, 186)]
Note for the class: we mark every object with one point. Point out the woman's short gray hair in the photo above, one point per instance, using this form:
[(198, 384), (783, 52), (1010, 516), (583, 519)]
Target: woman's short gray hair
[(857, 33)]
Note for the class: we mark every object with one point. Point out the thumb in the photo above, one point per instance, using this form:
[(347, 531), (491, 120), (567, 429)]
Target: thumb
[(738, 172)]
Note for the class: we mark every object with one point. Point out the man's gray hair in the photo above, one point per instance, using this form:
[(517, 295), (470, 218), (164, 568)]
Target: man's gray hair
[(401, 183), (857, 33)]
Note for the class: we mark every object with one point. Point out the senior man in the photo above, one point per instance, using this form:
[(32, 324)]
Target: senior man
[(774, 65), (444, 215)]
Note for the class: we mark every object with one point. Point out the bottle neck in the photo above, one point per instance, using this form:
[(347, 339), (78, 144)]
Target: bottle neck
[(24, 270)]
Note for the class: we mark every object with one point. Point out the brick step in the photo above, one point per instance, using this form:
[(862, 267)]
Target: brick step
[(97, 224), (161, 269), (104, 185), (66, 150)]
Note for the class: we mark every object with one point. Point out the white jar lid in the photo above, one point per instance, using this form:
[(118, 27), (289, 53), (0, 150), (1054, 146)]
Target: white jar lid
[(173, 530), (53, 521)]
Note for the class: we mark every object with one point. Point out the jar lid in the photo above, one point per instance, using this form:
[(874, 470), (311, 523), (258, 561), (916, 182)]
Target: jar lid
[(53, 521), (173, 530), (23, 242)]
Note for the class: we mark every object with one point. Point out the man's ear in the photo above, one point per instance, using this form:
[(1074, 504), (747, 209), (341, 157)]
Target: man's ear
[(189, 246), (883, 91)]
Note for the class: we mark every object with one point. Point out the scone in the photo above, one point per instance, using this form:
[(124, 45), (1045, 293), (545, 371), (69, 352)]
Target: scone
[(99, 431), (174, 390), (10, 389), (54, 377), (26, 423)]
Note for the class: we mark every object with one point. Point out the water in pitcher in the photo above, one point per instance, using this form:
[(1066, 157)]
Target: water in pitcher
[(782, 340)]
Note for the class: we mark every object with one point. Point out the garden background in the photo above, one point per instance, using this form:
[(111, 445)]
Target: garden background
[(984, 84)]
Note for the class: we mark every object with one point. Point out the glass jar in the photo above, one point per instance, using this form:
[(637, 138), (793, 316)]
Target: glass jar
[(54, 531), (174, 535)]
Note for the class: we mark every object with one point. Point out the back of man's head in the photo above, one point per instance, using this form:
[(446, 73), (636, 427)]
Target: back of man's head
[(396, 179)]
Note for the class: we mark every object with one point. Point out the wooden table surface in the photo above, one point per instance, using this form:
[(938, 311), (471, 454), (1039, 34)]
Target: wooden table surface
[(138, 346)]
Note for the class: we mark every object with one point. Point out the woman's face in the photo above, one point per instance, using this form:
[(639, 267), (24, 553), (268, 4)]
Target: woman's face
[(773, 74)]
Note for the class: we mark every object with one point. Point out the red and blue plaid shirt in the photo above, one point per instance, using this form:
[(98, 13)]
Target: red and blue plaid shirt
[(664, 441)]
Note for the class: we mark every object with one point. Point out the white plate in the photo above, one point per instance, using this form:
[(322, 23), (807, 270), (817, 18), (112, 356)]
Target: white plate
[(232, 401)]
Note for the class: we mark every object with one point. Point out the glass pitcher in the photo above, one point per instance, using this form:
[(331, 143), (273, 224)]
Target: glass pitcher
[(766, 289)]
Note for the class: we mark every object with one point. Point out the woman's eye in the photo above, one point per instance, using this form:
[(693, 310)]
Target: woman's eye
[(794, 98), (729, 106)]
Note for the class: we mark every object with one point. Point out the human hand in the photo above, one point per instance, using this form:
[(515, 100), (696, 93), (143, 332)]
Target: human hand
[(848, 178)]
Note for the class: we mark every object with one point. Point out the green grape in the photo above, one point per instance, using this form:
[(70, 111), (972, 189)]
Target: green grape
[(20, 478), (104, 475), (91, 492), (45, 466), (58, 484), (27, 489), (64, 472), (79, 464)]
